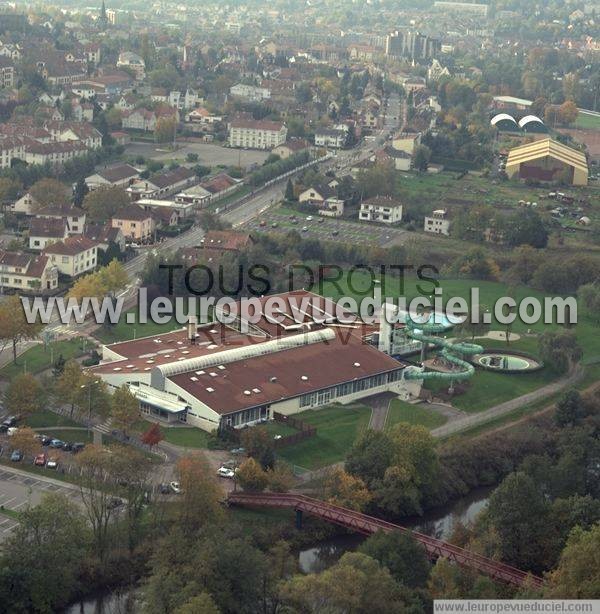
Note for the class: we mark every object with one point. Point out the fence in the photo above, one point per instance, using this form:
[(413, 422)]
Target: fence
[(305, 431)]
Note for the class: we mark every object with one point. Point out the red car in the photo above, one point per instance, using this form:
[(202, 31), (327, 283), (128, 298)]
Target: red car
[(40, 460)]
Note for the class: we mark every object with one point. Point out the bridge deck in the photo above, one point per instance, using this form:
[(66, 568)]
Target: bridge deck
[(367, 525)]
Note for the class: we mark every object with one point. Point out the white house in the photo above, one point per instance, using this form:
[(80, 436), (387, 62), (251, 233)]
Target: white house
[(26, 272), (437, 222), (250, 93), (74, 255), (336, 139), (382, 209)]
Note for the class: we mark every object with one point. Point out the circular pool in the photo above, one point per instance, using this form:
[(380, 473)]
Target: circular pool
[(507, 361)]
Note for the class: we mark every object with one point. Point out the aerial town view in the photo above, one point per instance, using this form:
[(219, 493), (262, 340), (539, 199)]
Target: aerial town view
[(299, 306)]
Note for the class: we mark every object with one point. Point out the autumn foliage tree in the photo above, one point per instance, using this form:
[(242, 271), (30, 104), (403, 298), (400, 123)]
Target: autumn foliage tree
[(341, 488), (24, 440), (24, 395), (125, 409), (153, 436), (251, 476), (14, 327)]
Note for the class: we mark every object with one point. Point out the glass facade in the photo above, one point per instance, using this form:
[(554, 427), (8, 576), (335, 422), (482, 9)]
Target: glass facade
[(322, 397)]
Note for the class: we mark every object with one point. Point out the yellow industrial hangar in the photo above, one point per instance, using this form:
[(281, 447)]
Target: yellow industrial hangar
[(547, 160)]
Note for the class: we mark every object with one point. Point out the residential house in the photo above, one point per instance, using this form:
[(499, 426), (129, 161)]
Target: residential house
[(382, 209), (106, 236), (250, 93), (137, 224), (291, 147), (26, 204), (253, 134), (145, 119), (27, 273), (11, 148), (7, 72), (163, 184), (72, 216), (437, 222), (54, 153), (331, 138), (134, 62), (217, 243), (316, 195), (220, 185), (73, 256), (195, 195), (117, 176), (45, 231), (406, 142), (332, 207)]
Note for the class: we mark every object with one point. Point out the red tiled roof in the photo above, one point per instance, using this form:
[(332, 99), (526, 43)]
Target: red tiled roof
[(70, 246)]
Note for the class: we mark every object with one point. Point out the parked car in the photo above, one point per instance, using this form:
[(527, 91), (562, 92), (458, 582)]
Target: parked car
[(40, 460), (77, 447), (304, 228), (67, 446), (11, 431), (10, 420), (176, 487), (238, 451), (164, 489), (57, 443), (3, 428), (52, 463), (225, 472), (16, 456), (45, 440)]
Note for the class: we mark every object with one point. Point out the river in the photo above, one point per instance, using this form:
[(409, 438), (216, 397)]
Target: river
[(437, 523)]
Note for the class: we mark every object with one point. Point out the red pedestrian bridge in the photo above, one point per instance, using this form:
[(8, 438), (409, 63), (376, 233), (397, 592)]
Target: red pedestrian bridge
[(367, 525)]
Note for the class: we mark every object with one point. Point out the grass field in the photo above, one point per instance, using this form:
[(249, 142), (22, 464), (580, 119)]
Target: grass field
[(39, 357), (413, 414), (587, 121), (278, 428), (124, 331), (184, 436), (45, 419), (337, 429)]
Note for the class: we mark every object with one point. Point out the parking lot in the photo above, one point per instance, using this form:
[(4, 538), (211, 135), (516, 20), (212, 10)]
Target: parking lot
[(209, 154), (19, 490), (330, 229)]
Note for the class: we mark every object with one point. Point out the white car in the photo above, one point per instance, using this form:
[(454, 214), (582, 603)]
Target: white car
[(309, 218), (52, 464), (176, 487), (11, 431), (225, 472)]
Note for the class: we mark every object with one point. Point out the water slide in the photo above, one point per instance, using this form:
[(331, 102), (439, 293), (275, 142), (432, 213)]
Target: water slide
[(453, 352)]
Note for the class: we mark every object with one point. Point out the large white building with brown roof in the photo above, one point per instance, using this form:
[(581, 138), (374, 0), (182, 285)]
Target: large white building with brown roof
[(73, 256), (213, 376), (253, 134)]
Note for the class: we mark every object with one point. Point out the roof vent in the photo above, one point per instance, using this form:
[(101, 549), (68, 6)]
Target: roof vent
[(212, 346), (357, 364), (130, 366), (146, 368), (117, 369), (221, 367), (247, 393), (273, 379), (210, 389), (149, 362), (193, 378), (213, 374), (213, 331), (304, 378), (200, 372), (256, 390)]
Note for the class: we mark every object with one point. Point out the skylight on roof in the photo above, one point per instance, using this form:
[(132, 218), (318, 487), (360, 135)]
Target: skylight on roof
[(210, 389)]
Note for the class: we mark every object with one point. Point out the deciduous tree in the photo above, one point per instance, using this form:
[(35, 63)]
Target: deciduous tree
[(125, 409), (48, 191), (251, 476), (14, 327), (24, 395)]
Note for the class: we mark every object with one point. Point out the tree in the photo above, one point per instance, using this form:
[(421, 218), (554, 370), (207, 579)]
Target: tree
[(125, 409), (68, 386), (280, 478), (577, 575), (42, 557), (88, 286), (401, 554), (568, 112), (200, 604), (569, 409), (519, 515), (289, 191), (420, 158), (370, 456), (48, 191), (164, 132), (589, 295), (103, 203), (14, 327), (259, 445), (24, 395), (341, 488), (251, 476), (559, 350), (113, 277), (202, 495), (9, 189), (445, 581), (24, 439), (357, 583), (526, 260), (59, 366), (525, 227), (153, 436), (80, 192)]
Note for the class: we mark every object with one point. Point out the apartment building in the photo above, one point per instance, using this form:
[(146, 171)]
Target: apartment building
[(383, 209), (251, 134), (437, 222), (74, 255)]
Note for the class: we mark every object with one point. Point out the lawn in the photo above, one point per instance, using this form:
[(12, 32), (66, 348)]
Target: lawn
[(278, 428), (587, 121), (124, 331), (47, 419), (420, 415), (184, 436), (338, 426), (40, 357)]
